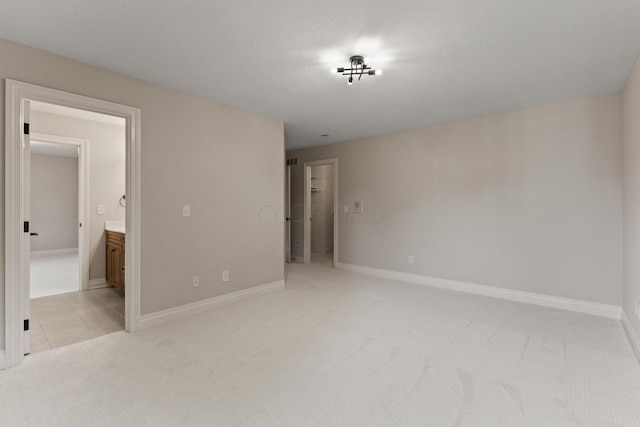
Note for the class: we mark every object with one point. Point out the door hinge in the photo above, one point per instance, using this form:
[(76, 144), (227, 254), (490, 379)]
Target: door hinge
[(26, 226), (26, 324), (26, 129)]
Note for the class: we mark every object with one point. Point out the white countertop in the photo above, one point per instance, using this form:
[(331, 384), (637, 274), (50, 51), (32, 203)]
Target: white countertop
[(115, 226)]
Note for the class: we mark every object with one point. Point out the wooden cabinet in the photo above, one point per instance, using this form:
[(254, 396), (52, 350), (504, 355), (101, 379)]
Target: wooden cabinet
[(115, 260)]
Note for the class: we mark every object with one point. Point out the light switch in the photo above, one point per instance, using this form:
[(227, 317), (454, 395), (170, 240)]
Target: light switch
[(359, 207), (186, 210), (100, 209)]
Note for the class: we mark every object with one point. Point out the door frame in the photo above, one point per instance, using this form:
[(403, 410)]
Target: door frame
[(306, 241), (16, 93), (83, 198), (287, 215)]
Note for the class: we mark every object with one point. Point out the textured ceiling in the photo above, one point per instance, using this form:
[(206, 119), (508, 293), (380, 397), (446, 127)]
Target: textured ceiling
[(443, 59)]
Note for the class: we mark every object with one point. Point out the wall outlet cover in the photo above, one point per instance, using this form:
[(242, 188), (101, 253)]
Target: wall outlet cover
[(101, 209), (225, 276), (186, 210), (196, 281), (410, 259)]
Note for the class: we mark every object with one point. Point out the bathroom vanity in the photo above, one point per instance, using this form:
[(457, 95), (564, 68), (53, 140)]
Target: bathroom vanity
[(115, 257)]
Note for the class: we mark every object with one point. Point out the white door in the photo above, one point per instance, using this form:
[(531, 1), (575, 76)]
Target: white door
[(307, 214), (287, 215), (26, 244)]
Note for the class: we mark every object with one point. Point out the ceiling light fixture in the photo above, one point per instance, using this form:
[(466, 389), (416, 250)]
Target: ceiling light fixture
[(358, 69)]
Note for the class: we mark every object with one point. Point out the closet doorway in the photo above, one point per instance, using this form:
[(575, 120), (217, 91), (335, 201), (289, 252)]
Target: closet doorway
[(321, 212)]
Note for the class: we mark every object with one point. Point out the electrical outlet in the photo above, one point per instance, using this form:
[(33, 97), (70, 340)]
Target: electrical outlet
[(297, 245), (196, 281), (186, 210), (410, 260), (225, 276)]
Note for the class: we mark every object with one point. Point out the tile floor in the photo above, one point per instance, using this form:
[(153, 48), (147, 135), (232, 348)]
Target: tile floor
[(60, 320), (54, 274)]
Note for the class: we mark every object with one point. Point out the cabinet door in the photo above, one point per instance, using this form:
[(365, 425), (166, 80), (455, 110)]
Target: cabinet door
[(121, 268), (117, 266), (111, 278)]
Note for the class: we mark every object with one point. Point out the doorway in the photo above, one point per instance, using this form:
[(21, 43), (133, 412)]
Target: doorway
[(18, 215), (321, 212), (59, 176), (67, 177)]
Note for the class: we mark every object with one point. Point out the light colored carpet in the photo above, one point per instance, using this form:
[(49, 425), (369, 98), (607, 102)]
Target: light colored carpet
[(322, 260), (54, 274), (340, 349)]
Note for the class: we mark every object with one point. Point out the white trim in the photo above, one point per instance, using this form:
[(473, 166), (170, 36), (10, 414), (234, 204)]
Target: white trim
[(54, 252), (98, 283), (287, 214), (631, 333), (2, 359), (16, 94), (580, 306), (83, 197), (306, 239), (175, 313), (307, 208)]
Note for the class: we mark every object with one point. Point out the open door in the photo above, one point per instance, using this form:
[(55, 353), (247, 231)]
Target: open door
[(287, 215), (26, 244), (307, 214)]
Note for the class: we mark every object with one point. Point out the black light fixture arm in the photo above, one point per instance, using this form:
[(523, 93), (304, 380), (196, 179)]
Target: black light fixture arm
[(358, 68)]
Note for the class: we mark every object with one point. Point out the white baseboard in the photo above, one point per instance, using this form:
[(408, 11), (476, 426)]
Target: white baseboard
[(52, 252), (631, 333), (175, 313), (98, 283), (580, 306), (2, 360)]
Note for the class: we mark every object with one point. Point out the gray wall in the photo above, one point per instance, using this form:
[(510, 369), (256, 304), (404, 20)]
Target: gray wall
[(107, 162), (632, 196), (529, 200), (321, 210), (193, 151), (54, 202)]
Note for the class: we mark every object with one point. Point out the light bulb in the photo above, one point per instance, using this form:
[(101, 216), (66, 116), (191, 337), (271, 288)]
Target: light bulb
[(378, 72)]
